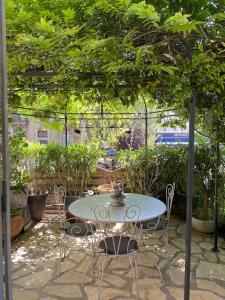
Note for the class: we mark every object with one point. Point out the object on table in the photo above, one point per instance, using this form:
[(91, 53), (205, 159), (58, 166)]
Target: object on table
[(105, 188), (118, 196)]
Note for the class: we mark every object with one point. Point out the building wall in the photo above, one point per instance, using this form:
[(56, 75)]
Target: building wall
[(35, 131)]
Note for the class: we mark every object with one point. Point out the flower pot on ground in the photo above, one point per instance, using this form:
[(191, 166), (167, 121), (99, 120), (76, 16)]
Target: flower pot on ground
[(18, 198), (16, 223), (203, 226), (37, 205), (19, 177)]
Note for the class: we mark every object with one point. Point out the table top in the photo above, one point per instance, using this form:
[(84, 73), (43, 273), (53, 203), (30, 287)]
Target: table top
[(150, 208)]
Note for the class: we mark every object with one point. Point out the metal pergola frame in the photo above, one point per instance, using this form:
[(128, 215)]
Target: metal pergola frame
[(5, 248), (5, 283)]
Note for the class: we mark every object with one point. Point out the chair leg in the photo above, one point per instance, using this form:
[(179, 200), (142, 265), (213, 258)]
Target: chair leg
[(160, 273), (133, 265), (100, 275), (165, 237), (86, 269), (136, 275)]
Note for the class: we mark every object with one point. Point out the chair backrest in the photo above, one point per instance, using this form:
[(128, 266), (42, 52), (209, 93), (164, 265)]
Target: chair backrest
[(119, 239), (59, 194), (170, 190)]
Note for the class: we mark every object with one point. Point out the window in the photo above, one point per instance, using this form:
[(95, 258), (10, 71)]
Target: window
[(42, 136)]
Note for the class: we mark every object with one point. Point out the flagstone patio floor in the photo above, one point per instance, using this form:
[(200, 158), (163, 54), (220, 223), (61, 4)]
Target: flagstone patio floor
[(35, 257)]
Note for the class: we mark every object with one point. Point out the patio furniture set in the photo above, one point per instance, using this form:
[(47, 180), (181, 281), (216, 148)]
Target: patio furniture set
[(112, 229)]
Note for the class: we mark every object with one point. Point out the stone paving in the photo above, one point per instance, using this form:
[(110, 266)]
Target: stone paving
[(36, 255)]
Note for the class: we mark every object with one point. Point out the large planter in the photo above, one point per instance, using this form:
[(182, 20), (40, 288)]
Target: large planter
[(181, 201), (203, 226), (37, 205), (17, 200), (16, 226)]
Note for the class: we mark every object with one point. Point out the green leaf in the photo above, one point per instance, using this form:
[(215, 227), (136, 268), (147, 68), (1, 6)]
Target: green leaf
[(145, 12), (68, 14), (180, 23), (45, 26)]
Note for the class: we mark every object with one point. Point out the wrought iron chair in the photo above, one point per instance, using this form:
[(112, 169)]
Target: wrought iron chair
[(82, 231), (115, 243), (161, 223)]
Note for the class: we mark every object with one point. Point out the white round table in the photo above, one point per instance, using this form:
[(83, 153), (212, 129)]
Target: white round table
[(150, 208)]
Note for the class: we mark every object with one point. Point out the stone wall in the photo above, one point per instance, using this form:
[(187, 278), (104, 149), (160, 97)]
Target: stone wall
[(98, 177)]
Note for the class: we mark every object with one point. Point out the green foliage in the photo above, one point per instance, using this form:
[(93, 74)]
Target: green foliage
[(180, 23), (150, 170), (19, 177), (71, 166), (145, 12)]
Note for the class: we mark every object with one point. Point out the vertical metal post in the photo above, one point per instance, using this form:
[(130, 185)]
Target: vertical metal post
[(189, 197), (1, 250), (146, 123), (5, 158), (215, 248), (66, 130)]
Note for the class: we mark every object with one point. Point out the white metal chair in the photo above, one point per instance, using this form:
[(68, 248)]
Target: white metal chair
[(161, 223), (115, 243), (82, 230)]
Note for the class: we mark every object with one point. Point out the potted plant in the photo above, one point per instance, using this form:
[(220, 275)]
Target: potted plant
[(16, 222), (19, 177), (37, 204), (203, 188)]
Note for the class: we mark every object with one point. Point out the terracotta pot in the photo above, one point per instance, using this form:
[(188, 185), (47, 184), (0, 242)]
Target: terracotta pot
[(203, 226), (16, 225), (37, 205)]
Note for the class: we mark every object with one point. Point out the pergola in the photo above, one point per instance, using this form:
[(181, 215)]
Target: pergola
[(6, 283)]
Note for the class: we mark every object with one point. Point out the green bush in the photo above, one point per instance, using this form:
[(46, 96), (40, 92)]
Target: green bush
[(148, 171), (70, 166)]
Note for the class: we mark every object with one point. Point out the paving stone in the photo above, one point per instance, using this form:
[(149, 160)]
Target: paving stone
[(76, 256), (147, 259), (206, 245), (35, 279), (210, 270), (65, 291), (172, 250), (145, 272), (211, 286), (116, 280), (197, 236), (120, 263), (210, 256), (153, 242), (171, 234), (17, 265), (22, 271), (181, 228), (179, 261), (106, 293), (180, 243), (163, 263), (66, 265), (149, 288), (176, 275), (178, 294), (73, 278), (48, 298), (222, 258), (19, 294), (87, 259), (48, 263)]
